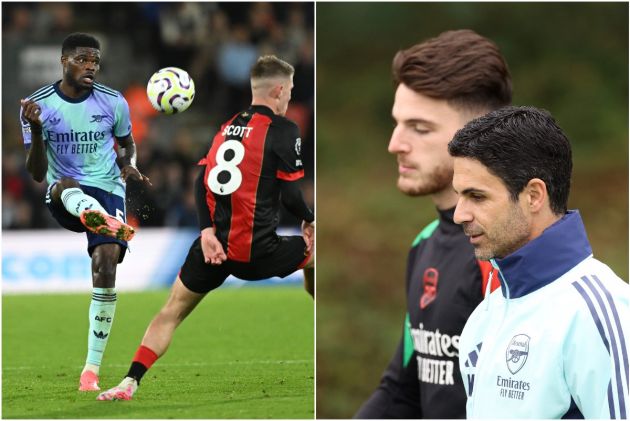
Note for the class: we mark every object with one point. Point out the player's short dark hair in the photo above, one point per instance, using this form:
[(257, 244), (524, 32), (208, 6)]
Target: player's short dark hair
[(79, 39), (461, 67), (518, 144), (270, 66)]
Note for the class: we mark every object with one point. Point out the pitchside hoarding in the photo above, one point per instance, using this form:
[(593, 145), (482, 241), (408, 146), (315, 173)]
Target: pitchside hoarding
[(57, 261)]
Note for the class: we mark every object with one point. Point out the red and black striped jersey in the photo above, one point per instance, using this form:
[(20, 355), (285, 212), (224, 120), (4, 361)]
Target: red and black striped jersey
[(254, 161)]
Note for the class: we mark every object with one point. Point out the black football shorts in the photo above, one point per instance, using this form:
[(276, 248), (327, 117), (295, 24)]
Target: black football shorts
[(201, 277)]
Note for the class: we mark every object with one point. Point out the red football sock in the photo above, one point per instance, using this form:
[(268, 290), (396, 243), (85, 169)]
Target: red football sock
[(142, 361), (145, 356)]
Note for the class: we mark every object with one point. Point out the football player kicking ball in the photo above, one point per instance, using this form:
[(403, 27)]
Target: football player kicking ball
[(69, 129), (254, 162)]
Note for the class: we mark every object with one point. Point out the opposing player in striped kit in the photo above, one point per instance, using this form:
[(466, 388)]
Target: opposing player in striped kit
[(254, 161), (69, 128)]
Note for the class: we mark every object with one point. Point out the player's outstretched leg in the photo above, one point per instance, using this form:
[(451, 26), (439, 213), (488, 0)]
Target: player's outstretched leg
[(93, 216), (156, 340)]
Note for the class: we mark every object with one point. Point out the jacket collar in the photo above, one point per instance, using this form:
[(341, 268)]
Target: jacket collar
[(547, 257)]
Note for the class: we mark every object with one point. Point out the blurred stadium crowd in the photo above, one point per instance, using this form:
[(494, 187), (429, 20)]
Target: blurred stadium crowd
[(215, 42)]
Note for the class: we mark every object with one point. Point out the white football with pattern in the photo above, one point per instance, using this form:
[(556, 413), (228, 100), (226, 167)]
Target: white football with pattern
[(171, 90)]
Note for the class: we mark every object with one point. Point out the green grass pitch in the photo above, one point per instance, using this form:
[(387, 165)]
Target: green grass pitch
[(242, 353)]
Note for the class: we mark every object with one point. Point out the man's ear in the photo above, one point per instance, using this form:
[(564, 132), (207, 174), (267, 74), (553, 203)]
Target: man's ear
[(276, 91), (537, 196)]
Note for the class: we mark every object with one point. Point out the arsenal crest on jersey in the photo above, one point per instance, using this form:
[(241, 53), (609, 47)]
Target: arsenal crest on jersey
[(516, 353), (429, 281)]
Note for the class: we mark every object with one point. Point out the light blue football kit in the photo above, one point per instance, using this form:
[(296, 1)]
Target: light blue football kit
[(80, 133), (552, 341)]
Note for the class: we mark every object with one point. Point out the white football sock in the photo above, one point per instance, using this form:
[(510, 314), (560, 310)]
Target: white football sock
[(75, 201), (102, 309)]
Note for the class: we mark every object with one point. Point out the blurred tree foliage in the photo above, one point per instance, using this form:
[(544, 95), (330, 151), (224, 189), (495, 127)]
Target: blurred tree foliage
[(570, 58)]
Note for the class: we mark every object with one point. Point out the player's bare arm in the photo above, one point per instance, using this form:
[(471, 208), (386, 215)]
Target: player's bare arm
[(36, 160), (128, 160)]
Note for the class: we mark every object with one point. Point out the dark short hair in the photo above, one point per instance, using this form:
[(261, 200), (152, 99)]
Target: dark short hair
[(79, 39), (461, 67), (518, 144), (271, 66)]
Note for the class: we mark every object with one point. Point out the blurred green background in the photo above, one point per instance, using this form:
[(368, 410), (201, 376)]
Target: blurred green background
[(570, 58)]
